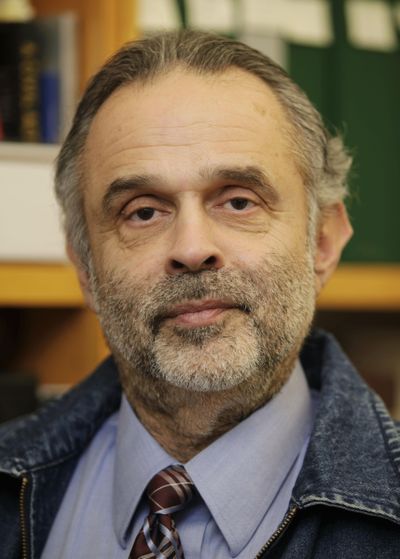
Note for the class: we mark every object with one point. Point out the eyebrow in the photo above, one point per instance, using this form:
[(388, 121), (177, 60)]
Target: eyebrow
[(127, 184), (250, 175)]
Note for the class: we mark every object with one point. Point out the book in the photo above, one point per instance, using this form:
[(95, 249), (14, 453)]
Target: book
[(58, 74), (19, 81), (38, 78)]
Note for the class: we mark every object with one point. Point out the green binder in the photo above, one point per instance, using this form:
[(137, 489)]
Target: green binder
[(358, 92)]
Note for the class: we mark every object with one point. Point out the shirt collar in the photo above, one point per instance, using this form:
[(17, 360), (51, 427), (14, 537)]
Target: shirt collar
[(269, 440), (138, 458), (253, 459)]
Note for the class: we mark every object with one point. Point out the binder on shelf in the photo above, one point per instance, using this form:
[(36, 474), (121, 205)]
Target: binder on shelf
[(358, 91)]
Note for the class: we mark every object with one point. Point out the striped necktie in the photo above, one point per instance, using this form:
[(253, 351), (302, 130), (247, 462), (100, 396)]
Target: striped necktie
[(169, 491)]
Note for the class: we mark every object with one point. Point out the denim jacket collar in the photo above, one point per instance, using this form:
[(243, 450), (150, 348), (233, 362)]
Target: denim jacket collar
[(353, 459), (63, 428)]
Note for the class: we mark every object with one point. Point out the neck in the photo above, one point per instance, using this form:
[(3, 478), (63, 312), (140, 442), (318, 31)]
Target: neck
[(184, 422)]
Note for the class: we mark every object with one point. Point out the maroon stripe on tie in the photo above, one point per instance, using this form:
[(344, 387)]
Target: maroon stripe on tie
[(168, 492)]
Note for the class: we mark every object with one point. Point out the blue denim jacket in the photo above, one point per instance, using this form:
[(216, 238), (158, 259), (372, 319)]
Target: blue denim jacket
[(345, 504)]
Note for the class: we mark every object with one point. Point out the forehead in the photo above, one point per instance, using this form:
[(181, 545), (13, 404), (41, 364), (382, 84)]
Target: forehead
[(182, 121), (179, 96)]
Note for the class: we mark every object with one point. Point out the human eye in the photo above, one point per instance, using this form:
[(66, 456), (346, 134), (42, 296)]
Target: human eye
[(143, 214), (143, 211), (239, 203), (238, 199)]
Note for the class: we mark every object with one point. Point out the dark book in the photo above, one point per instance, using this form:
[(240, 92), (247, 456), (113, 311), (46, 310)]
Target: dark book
[(19, 82)]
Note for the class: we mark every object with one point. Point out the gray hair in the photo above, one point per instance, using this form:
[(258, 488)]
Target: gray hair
[(321, 158)]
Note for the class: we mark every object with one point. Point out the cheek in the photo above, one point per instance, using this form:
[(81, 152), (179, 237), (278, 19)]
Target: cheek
[(282, 239), (141, 261)]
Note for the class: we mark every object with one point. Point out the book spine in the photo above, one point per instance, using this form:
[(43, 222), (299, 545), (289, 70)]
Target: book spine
[(49, 106), (19, 82), (9, 107), (68, 62), (58, 74), (28, 51)]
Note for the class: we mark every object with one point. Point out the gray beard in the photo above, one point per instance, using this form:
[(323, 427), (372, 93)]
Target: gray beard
[(274, 306)]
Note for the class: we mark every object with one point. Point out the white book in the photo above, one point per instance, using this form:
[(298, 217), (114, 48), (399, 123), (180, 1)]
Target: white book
[(30, 227)]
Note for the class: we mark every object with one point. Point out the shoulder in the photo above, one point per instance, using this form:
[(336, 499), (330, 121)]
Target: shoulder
[(353, 457), (62, 427)]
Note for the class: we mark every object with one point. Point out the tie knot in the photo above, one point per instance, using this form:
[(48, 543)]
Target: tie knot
[(170, 490)]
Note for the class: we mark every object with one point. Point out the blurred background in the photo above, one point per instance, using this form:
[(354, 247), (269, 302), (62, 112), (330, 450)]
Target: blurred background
[(343, 53)]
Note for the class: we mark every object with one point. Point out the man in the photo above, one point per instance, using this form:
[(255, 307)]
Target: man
[(203, 204)]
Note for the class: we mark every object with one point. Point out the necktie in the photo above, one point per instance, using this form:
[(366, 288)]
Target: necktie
[(169, 491)]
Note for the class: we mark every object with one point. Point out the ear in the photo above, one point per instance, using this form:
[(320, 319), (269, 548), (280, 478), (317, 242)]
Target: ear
[(82, 277), (333, 233)]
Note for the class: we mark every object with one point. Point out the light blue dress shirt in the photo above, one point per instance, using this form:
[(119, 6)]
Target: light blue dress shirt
[(244, 482)]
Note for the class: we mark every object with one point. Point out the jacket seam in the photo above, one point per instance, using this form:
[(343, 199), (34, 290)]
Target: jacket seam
[(392, 445), (22, 469), (313, 500), (16, 470), (323, 494)]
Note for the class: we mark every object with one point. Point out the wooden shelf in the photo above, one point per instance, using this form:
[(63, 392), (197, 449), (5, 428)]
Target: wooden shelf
[(39, 285), (353, 287), (363, 287), (60, 340)]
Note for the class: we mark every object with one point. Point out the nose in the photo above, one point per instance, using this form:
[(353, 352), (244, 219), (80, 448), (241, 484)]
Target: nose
[(193, 247)]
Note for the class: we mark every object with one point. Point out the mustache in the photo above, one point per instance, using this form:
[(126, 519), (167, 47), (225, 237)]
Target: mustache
[(151, 302), (230, 286)]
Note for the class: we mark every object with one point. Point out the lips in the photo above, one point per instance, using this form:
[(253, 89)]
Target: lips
[(198, 306), (198, 313)]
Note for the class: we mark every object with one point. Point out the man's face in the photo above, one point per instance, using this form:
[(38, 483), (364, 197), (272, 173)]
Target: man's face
[(197, 217)]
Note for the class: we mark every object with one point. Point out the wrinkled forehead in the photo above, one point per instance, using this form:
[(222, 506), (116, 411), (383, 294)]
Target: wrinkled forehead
[(178, 96)]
